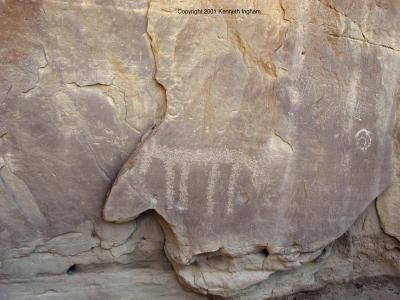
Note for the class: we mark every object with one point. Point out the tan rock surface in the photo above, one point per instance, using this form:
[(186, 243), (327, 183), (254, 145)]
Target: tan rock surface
[(255, 142), (272, 145), (74, 103), (388, 204)]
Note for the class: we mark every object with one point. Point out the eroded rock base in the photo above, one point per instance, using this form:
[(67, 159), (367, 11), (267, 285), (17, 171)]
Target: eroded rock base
[(349, 265)]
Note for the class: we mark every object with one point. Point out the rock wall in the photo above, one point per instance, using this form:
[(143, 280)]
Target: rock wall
[(146, 153)]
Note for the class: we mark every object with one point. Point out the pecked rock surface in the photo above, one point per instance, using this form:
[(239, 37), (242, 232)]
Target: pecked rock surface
[(254, 141), (268, 151)]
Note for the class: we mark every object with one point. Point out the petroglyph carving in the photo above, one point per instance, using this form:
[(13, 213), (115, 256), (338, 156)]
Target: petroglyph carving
[(363, 139), (182, 160), (243, 160), (256, 140)]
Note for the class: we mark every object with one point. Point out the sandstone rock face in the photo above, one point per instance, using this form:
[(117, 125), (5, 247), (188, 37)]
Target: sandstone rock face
[(274, 146), (74, 105), (239, 145), (362, 252), (388, 204)]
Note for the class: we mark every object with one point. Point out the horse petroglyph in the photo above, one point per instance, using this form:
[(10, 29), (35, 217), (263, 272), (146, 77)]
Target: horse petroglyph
[(181, 161), (244, 158)]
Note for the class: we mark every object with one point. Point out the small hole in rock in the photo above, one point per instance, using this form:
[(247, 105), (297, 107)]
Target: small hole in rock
[(72, 269), (358, 285), (265, 252), (143, 238), (303, 52)]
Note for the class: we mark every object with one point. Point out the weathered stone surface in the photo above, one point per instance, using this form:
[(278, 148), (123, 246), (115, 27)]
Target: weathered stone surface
[(388, 204), (74, 103), (133, 284), (276, 146), (257, 141), (362, 252)]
